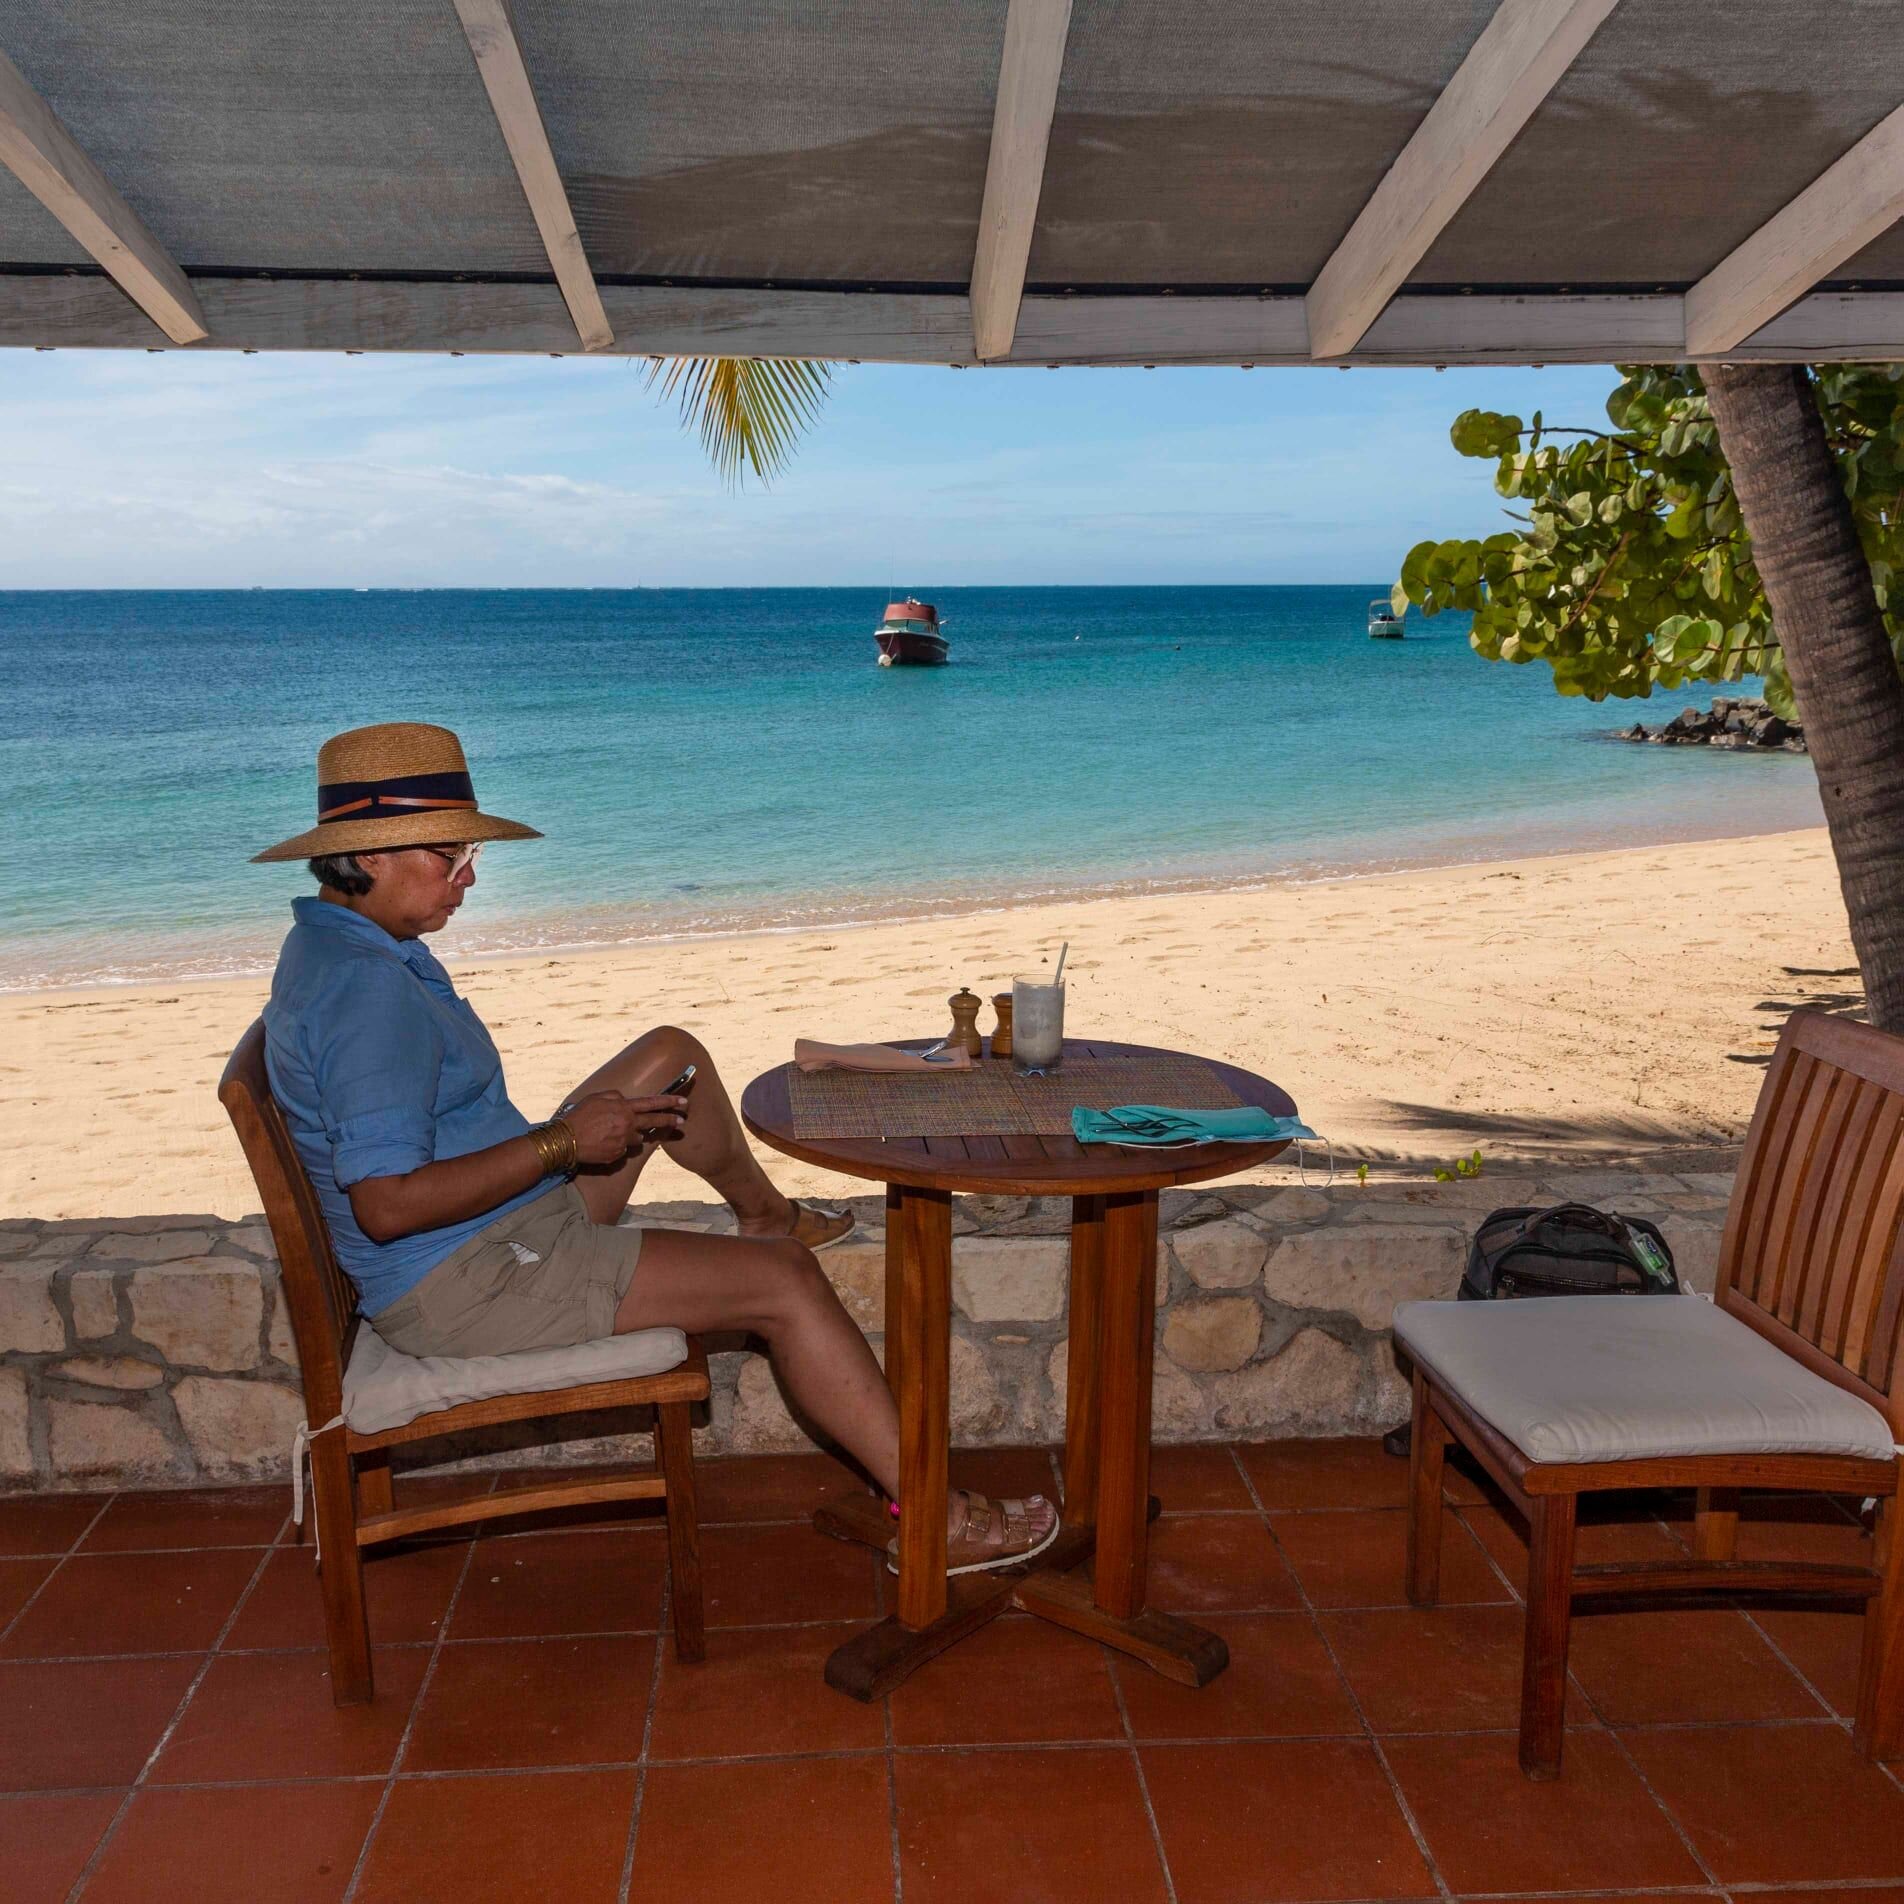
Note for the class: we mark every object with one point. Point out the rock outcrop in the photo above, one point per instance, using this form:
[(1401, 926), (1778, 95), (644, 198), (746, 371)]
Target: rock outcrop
[(1739, 725)]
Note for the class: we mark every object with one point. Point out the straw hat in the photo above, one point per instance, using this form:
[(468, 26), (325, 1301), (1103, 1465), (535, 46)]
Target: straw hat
[(401, 784)]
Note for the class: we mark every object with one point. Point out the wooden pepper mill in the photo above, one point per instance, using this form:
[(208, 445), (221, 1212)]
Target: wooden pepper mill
[(964, 1034), (1001, 1038)]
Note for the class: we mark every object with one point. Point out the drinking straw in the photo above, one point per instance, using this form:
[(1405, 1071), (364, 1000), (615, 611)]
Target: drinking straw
[(1057, 977)]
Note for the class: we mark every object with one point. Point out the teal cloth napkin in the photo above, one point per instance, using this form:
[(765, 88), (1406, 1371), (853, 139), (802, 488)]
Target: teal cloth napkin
[(1155, 1126)]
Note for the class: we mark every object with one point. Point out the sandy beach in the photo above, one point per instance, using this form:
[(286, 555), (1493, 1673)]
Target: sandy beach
[(1591, 1005)]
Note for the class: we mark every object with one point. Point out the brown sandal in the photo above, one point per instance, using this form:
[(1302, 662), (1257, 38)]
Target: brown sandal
[(823, 1228), (977, 1548)]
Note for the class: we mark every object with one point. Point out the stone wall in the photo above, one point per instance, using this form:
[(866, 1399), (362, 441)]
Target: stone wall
[(158, 1350)]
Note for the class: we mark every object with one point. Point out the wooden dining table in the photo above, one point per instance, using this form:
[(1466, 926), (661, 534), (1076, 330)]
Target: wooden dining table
[(1107, 1503)]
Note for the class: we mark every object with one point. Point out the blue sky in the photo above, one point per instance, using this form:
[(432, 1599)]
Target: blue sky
[(183, 471)]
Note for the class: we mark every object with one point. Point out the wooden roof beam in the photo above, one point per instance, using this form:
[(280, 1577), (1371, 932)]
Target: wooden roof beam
[(1833, 218), (42, 155), (88, 312), (492, 38), (1035, 33), (1520, 57)]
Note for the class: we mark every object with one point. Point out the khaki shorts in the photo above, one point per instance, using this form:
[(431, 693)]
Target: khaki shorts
[(543, 1277)]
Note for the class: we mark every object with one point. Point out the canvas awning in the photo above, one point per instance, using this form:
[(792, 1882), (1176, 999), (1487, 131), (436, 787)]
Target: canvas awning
[(950, 181)]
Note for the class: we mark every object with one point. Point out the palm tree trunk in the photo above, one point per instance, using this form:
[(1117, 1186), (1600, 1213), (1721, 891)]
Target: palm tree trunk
[(1818, 586)]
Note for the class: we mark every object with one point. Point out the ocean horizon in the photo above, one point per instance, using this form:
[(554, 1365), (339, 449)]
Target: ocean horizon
[(715, 761)]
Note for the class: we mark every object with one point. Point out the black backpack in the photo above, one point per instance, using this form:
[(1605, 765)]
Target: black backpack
[(1569, 1250)]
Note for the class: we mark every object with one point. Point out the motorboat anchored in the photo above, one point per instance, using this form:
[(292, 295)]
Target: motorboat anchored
[(908, 635), (1383, 623)]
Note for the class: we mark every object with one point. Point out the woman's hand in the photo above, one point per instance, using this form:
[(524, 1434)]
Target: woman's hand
[(608, 1126), (656, 1119), (604, 1132)]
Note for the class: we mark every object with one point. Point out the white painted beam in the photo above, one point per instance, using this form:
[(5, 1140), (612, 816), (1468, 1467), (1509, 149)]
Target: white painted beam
[(492, 38), (379, 315), (1832, 219), (42, 155), (1035, 33), (1510, 69)]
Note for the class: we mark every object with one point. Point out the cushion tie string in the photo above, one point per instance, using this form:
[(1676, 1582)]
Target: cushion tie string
[(300, 1453), (1302, 1166)]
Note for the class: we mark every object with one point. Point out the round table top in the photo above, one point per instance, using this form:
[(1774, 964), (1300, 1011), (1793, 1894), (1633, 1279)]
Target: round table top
[(1017, 1166)]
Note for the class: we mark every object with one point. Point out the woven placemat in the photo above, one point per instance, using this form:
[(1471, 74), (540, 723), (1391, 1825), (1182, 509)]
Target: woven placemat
[(990, 1100)]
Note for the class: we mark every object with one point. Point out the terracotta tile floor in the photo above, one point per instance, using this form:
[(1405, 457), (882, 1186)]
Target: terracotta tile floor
[(166, 1730)]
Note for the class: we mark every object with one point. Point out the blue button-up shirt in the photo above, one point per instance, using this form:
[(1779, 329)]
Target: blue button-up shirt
[(380, 1069)]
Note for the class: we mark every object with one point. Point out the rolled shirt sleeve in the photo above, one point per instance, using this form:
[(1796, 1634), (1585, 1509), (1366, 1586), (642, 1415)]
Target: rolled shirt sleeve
[(376, 1074)]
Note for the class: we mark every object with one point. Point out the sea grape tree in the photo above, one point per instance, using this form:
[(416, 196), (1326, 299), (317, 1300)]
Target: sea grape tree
[(1743, 521), (1631, 567)]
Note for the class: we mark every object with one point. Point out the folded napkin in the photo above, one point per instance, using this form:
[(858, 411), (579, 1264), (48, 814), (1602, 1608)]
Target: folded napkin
[(811, 1055), (1154, 1125)]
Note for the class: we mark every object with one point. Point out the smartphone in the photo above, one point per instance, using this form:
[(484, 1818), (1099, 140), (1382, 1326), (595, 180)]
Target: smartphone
[(678, 1088)]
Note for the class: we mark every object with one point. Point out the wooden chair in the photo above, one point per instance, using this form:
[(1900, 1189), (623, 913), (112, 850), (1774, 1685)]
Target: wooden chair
[(1808, 1394), (350, 1472)]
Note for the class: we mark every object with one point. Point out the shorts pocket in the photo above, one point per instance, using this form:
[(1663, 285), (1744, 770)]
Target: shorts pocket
[(444, 1300)]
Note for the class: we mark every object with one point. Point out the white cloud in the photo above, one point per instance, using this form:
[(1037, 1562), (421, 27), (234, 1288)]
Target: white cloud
[(178, 470)]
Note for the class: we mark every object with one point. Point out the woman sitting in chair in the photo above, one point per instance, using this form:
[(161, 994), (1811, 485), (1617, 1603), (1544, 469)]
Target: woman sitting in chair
[(468, 1231)]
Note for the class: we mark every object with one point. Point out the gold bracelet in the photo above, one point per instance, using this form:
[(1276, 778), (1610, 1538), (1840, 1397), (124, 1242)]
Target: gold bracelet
[(555, 1147)]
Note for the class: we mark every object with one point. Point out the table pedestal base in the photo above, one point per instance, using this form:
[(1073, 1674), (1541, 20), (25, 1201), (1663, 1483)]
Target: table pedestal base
[(872, 1663), (1191, 1655)]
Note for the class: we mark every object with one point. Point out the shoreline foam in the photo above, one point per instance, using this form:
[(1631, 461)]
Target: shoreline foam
[(864, 912)]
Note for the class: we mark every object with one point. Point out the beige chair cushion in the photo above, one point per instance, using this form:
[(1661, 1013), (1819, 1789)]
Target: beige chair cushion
[(384, 1388), (1629, 1378)]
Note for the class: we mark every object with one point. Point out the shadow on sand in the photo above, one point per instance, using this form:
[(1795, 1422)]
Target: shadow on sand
[(1612, 1138), (1846, 1001)]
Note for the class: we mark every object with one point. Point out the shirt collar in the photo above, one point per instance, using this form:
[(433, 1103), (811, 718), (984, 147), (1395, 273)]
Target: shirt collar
[(322, 912), (309, 911)]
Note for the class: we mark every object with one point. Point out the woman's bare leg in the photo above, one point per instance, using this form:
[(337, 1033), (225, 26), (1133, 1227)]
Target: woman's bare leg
[(762, 1281), (712, 1145), (776, 1289)]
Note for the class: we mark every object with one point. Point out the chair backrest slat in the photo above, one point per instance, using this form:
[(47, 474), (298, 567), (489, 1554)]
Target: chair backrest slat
[(1879, 1360), (323, 1302), (1807, 1256), (1813, 1254), (1868, 1154), (1799, 1174), (1755, 1190)]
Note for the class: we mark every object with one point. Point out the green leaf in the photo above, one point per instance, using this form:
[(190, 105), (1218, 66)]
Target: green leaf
[(1415, 563), (1705, 636), (1484, 433)]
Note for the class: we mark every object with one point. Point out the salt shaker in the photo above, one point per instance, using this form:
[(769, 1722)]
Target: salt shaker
[(1001, 1038), (964, 1035)]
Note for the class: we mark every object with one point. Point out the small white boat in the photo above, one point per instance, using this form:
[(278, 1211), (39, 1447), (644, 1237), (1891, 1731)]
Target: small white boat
[(1383, 623)]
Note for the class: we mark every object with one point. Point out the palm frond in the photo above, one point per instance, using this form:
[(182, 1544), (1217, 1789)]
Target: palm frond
[(749, 410)]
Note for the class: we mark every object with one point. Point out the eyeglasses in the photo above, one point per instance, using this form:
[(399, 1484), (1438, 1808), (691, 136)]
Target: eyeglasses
[(456, 858)]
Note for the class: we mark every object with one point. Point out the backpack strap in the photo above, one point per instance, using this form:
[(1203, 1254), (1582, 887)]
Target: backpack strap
[(1580, 1216)]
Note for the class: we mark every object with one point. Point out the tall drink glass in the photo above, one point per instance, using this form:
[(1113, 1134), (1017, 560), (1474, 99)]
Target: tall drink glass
[(1037, 1027)]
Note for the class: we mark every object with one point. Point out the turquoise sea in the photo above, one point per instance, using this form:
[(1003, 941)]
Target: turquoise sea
[(720, 760)]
